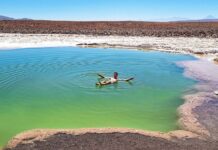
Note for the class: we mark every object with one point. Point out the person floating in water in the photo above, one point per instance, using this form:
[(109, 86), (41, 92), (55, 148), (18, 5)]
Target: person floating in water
[(111, 80)]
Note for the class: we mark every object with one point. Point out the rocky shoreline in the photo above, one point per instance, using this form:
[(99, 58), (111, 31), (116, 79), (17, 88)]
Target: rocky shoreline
[(108, 139), (198, 115)]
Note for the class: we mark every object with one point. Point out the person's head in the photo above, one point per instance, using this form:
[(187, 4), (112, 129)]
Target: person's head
[(115, 75)]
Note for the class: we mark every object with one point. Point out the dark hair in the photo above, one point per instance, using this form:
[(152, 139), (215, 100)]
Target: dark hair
[(115, 75)]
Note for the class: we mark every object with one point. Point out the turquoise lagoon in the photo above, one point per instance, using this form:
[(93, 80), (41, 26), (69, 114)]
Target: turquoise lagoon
[(55, 88)]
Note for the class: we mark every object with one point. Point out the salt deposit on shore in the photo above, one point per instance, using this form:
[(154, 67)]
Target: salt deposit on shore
[(199, 114), (206, 46)]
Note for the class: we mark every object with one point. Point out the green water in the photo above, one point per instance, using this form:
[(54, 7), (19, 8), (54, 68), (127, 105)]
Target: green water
[(55, 88)]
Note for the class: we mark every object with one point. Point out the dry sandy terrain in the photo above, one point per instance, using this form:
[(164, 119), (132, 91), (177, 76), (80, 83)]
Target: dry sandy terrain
[(198, 116), (121, 28)]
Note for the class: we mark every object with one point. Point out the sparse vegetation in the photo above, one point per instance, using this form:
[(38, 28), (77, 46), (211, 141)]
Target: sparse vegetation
[(128, 28)]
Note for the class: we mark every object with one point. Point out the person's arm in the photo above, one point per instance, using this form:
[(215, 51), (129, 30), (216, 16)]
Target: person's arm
[(100, 75), (127, 80)]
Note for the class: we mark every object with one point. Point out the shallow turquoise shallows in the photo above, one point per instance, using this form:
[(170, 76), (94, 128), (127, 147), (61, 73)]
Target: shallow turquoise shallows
[(55, 88)]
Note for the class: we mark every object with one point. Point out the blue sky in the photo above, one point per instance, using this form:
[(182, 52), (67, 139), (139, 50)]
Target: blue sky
[(108, 9)]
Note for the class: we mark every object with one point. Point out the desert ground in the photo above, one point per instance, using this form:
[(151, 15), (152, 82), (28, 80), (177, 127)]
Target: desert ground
[(198, 115), (122, 28)]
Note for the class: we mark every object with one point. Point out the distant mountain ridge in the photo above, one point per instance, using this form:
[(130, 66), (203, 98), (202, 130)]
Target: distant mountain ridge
[(209, 18), (10, 18), (200, 20), (5, 18)]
